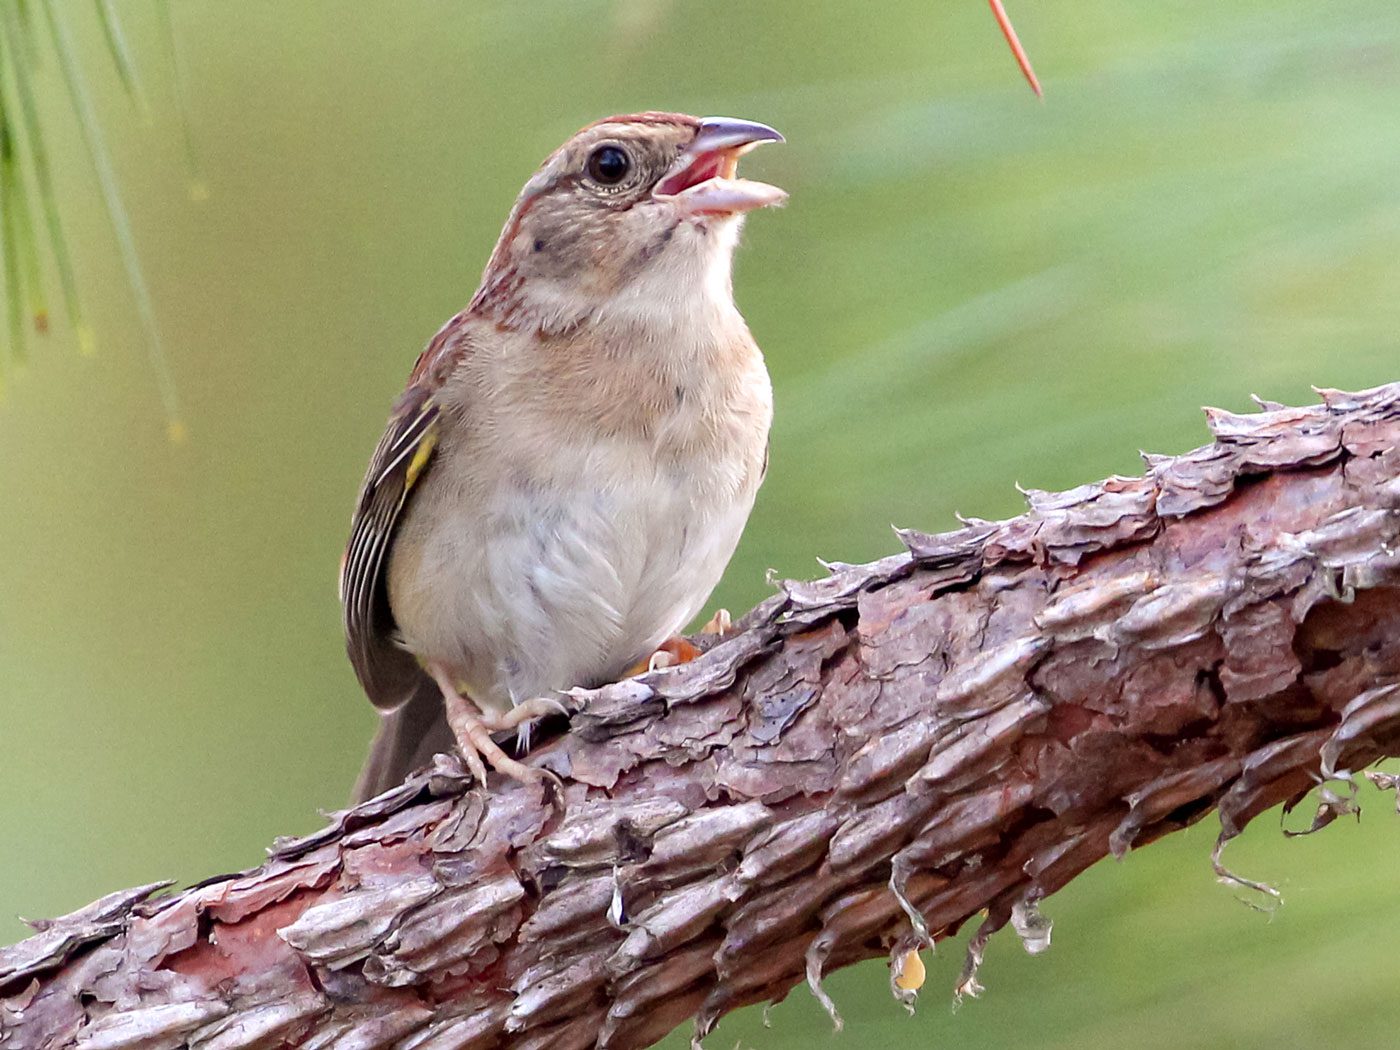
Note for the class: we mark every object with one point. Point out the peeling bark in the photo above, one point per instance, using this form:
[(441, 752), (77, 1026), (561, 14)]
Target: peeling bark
[(864, 764)]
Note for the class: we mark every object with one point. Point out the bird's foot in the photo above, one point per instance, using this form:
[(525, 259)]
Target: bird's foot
[(522, 718), (522, 713), (670, 653), (472, 730), (676, 651)]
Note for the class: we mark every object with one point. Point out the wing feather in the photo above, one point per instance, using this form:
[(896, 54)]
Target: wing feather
[(402, 456)]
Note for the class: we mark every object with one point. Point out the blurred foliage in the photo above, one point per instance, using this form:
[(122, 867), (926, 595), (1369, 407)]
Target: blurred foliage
[(22, 145), (969, 289)]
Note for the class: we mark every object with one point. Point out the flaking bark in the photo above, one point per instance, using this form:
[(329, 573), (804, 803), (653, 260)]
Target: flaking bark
[(867, 761)]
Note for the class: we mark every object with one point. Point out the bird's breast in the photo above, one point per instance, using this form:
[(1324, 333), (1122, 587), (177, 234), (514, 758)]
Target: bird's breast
[(555, 543)]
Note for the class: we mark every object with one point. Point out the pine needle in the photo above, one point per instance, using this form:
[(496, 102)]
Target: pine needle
[(121, 56), (199, 189), (116, 210)]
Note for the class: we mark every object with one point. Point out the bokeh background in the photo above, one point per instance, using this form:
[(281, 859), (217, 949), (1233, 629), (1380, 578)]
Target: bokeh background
[(968, 289)]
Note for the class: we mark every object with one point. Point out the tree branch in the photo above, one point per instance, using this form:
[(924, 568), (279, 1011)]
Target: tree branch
[(866, 762)]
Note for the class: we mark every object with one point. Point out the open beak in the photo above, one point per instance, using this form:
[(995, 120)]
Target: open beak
[(702, 181)]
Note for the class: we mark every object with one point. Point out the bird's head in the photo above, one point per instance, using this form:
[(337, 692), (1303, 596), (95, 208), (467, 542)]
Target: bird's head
[(634, 218)]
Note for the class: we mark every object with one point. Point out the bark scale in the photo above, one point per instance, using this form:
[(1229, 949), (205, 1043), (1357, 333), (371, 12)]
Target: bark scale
[(862, 765)]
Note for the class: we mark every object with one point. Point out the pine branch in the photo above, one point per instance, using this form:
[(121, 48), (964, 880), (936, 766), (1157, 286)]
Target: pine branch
[(866, 763)]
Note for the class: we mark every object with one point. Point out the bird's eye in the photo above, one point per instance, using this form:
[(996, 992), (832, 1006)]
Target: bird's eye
[(609, 165)]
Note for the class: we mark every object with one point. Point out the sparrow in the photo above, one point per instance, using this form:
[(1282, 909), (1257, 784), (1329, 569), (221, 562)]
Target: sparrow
[(568, 471)]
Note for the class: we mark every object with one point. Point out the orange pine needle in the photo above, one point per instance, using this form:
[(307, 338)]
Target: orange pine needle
[(1022, 59)]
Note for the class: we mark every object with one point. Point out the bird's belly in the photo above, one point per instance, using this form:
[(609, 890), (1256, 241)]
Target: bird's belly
[(566, 583)]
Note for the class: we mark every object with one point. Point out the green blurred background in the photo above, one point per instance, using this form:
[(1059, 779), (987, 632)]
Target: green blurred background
[(968, 289)]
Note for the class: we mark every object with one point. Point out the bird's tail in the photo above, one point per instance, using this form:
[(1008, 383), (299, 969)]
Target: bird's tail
[(408, 737)]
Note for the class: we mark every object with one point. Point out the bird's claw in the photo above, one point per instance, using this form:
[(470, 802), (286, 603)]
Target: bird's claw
[(670, 653), (527, 711), (472, 730), (676, 651), (720, 623)]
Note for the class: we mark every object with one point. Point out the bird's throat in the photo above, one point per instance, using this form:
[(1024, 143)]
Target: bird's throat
[(681, 295)]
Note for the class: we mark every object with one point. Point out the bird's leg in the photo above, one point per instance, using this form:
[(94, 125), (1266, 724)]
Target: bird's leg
[(675, 651), (473, 735), (522, 718), (526, 711)]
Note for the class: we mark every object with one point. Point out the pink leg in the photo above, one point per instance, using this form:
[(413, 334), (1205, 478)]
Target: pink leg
[(528, 711), (473, 735)]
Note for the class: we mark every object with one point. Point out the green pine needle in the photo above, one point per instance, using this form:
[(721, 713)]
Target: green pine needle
[(21, 62), (121, 56), (116, 210), (9, 251), (25, 244), (199, 189)]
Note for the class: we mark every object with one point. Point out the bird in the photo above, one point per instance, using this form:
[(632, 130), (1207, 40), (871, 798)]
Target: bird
[(568, 471)]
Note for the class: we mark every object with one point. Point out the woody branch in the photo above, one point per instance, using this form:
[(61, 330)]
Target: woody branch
[(867, 762)]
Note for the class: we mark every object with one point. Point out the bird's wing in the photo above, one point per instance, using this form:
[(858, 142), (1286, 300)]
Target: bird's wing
[(401, 460)]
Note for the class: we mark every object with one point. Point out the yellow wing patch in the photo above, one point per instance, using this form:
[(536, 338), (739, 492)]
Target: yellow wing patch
[(421, 456)]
